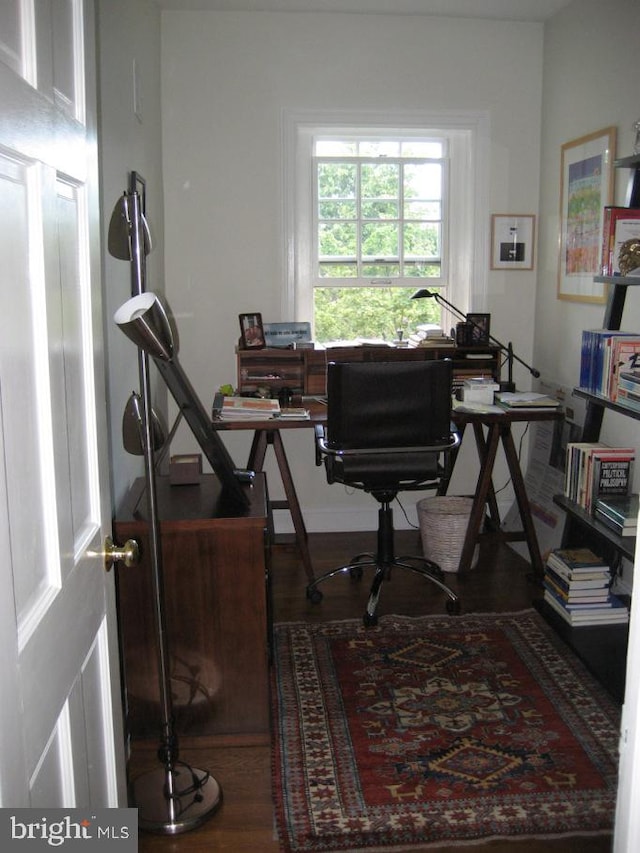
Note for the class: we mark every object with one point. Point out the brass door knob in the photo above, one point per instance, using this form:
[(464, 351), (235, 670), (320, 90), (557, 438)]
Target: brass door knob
[(129, 553)]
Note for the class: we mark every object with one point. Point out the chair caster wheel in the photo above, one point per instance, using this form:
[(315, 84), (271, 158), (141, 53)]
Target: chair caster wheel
[(314, 595), (453, 607), (355, 573), (369, 620)]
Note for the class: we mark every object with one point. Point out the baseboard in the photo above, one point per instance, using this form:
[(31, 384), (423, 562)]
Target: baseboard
[(346, 520)]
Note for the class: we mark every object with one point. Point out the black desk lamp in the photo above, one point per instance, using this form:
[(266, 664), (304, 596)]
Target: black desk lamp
[(507, 349)]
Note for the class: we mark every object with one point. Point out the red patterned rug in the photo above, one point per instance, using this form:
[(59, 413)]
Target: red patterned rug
[(435, 730)]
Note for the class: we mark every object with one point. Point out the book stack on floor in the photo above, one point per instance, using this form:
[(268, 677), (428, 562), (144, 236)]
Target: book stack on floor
[(594, 470), (577, 587), (618, 513)]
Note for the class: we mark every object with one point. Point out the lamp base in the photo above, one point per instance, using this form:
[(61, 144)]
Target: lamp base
[(196, 796), (508, 387)]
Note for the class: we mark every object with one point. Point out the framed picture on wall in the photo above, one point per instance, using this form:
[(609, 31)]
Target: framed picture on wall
[(252, 331), (586, 186), (512, 236)]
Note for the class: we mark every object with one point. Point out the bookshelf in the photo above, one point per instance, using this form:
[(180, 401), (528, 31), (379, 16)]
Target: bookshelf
[(580, 526)]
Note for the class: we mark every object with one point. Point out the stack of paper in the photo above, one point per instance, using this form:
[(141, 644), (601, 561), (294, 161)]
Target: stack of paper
[(526, 400)]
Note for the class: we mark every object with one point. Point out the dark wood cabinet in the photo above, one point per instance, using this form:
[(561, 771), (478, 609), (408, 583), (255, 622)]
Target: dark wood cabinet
[(304, 371), (216, 576)]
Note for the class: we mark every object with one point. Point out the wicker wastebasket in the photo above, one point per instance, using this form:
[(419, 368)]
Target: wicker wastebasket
[(443, 525)]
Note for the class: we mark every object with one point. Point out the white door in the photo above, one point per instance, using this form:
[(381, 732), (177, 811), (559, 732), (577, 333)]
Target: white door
[(60, 721)]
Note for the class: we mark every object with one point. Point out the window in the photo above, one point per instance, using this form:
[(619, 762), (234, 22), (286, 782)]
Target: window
[(374, 213)]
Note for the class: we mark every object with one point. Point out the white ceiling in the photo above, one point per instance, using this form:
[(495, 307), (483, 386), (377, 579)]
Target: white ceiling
[(507, 10)]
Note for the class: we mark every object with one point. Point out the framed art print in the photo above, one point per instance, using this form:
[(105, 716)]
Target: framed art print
[(586, 187), (252, 331), (512, 236)]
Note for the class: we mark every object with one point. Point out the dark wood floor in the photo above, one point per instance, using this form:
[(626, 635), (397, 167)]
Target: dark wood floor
[(244, 822)]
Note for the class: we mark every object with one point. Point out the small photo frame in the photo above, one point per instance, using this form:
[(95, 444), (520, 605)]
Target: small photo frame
[(512, 238), (480, 324), (252, 331)]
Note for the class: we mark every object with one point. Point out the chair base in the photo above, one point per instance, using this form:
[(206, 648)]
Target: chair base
[(428, 569)]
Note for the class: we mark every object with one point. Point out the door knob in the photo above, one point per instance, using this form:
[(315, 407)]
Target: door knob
[(129, 553)]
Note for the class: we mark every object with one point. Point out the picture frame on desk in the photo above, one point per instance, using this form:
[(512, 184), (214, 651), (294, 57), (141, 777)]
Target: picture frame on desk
[(251, 331), (512, 241), (480, 325), (586, 188)]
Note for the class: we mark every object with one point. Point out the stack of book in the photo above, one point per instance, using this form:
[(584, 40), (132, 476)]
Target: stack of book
[(244, 408), (618, 513), (430, 335), (577, 587), (594, 470)]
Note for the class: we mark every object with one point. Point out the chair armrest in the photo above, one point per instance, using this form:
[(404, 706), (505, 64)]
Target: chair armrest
[(319, 441)]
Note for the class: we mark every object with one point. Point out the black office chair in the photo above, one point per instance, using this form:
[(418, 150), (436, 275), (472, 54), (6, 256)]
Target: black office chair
[(388, 430)]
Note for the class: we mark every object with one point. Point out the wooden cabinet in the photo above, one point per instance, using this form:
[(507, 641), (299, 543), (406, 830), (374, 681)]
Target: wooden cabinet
[(216, 572), (304, 371)]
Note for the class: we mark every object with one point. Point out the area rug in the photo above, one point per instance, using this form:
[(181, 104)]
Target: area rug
[(436, 730)]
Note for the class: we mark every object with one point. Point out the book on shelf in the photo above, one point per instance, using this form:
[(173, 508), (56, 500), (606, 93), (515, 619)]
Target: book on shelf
[(593, 469), (617, 222), (598, 357), (624, 363), (619, 513), (616, 613)]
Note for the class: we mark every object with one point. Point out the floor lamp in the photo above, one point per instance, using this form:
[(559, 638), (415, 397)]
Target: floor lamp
[(174, 797)]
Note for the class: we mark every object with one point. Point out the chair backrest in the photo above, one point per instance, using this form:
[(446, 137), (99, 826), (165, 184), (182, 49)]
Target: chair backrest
[(388, 404)]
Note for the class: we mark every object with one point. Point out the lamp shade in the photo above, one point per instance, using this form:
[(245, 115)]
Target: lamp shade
[(423, 293), (144, 321)]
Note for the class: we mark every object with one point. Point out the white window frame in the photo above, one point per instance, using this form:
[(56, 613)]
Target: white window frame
[(468, 233)]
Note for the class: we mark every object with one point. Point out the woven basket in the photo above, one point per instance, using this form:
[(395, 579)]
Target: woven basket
[(443, 526)]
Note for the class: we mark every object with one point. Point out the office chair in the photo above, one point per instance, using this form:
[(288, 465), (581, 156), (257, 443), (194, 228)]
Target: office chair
[(388, 425)]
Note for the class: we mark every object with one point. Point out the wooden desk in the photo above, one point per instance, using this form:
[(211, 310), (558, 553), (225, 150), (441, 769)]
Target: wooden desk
[(267, 434), (498, 428), (216, 569)]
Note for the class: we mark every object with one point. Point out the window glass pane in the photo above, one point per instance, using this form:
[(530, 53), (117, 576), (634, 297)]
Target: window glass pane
[(380, 240), (419, 148), (423, 181), (348, 313), (335, 147), (422, 210), (422, 240), (336, 180), (341, 209), (379, 148), (421, 269), (332, 270), (337, 241), (381, 269)]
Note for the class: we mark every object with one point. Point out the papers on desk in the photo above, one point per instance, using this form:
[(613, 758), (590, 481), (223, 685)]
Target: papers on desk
[(477, 408), (255, 409), (526, 400)]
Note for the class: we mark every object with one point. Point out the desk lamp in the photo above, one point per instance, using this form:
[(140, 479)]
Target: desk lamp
[(507, 349)]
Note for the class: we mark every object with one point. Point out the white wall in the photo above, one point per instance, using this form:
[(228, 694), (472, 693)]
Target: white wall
[(128, 31), (226, 80)]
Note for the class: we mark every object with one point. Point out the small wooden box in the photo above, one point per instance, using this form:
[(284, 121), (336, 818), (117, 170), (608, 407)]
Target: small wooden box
[(185, 469)]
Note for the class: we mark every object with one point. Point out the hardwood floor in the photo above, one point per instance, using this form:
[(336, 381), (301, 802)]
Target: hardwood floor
[(244, 823)]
